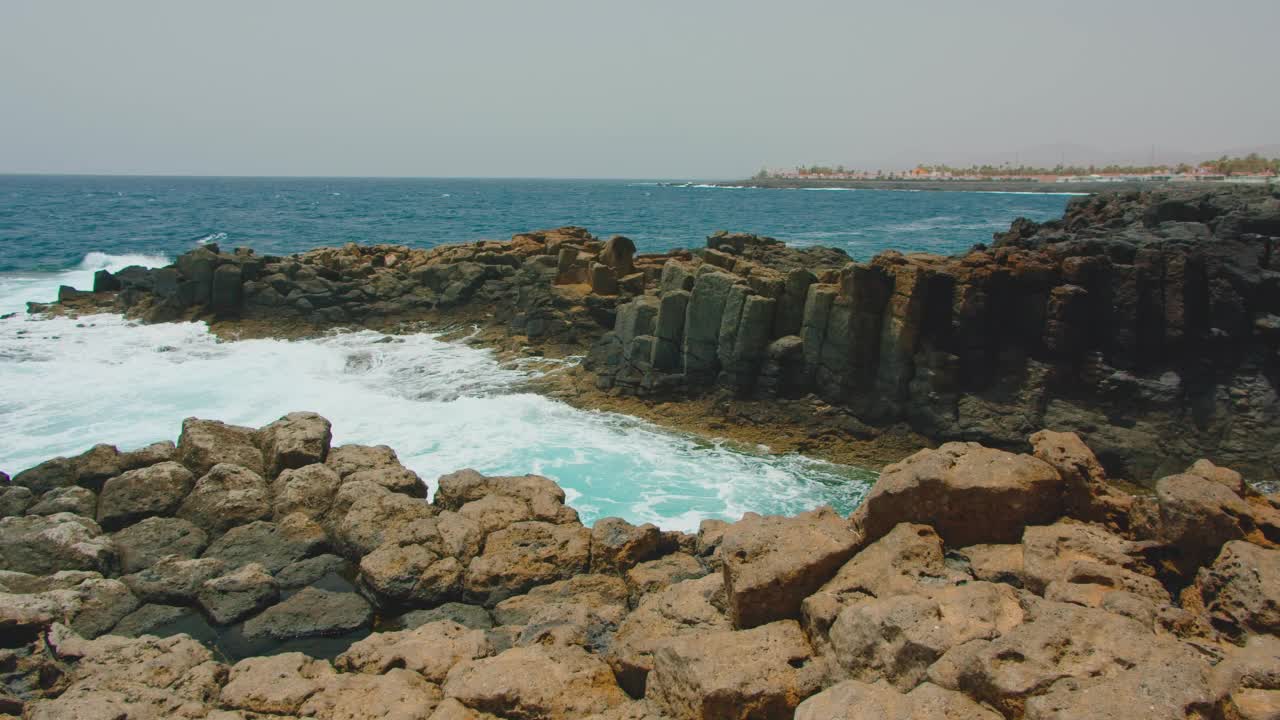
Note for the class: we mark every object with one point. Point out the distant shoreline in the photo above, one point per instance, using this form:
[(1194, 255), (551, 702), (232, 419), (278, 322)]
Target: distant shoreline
[(1023, 186)]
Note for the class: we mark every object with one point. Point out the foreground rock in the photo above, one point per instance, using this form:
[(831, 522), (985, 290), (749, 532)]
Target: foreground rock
[(972, 583)]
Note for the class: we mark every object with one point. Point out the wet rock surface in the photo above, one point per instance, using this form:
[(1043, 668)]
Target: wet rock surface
[(973, 583)]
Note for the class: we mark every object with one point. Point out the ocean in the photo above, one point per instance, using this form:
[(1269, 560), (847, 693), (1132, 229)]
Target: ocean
[(67, 384)]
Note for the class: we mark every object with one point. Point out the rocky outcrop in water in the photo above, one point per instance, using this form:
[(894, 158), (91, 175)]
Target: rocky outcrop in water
[(1147, 323), (263, 573)]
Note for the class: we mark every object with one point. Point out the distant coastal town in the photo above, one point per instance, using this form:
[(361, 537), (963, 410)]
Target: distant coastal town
[(1250, 169)]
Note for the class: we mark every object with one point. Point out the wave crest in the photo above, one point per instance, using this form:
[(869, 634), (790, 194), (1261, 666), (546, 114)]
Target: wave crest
[(106, 261)]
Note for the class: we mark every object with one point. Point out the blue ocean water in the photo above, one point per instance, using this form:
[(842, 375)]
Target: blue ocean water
[(52, 222), (66, 384)]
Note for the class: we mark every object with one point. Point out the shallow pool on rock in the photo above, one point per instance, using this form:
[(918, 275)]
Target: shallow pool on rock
[(67, 384)]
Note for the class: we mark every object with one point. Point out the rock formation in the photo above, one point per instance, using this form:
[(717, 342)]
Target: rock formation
[(262, 573), (1146, 323)]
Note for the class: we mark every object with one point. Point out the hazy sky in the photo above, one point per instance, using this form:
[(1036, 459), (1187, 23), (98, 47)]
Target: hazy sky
[(647, 88)]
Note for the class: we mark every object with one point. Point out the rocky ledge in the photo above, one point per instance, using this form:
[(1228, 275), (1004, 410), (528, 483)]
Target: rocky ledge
[(262, 573), (1148, 323)]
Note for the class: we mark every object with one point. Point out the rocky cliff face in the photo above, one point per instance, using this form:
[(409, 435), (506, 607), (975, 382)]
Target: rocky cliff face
[(1149, 323), (264, 573)]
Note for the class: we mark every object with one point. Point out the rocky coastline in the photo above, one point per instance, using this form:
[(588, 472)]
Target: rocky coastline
[(263, 573), (1146, 322)]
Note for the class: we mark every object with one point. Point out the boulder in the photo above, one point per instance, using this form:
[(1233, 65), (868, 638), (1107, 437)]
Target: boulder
[(685, 608), (995, 563), (470, 616), (142, 544), (1073, 652), (1197, 516), (226, 496), (311, 612), (173, 580), (603, 279), (43, 544), (617, 545), (396, 478), (71, 499), (158, 452), (431, 650), (295, 440), (308, 490), (410, 575), (54, 473), (15, 499), (764, 672), (272, 545), (905, 561), (856, 700), (617, 253), (206, 443), (953, 489), (584, 610), (1241, 589), (275, 684), (347, 459), (86, 602), (398, 695), (96, 465), (771, 564), (151, 619), (526, 554), (1069, 552), (145, 492), (543, 496), (237, 595), (312, 570), (372, 514), (552, 682), (898, 637), (115, 677), (654, 575)]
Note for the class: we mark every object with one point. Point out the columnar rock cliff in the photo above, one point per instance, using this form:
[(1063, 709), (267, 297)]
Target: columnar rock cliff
[(1149, 323), (264, 573)]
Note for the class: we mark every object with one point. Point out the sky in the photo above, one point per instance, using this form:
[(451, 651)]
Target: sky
[(652, 89)]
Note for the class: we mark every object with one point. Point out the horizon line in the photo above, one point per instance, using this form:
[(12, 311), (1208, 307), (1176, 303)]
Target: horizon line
[(362, 177)]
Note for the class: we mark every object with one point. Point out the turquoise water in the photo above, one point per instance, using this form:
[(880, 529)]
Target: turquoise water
[(66, 384)]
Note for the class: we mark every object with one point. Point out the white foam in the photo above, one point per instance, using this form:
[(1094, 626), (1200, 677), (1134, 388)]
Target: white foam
[(68, 383), (17, 289)]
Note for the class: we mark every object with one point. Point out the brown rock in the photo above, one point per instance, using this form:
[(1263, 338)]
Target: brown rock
[(1075, 652), (142, 544), (954, 488), (276, 684), (617, 545), (1071, 552), (548, 682), (764, 672), (347, 459), (526, 554), (897, 638), (226, 496), (373, 514), (583, 610), (146, 678), (295, 440), (685, 608), (396, 478), (430, 650), (543, 496), (154, 490), (1241, 590), (397, 695), (618, 253), (771, 564), (855, 700), (308, 490), (902, 562), (1198, 516), (655, 575), (205, 443)]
